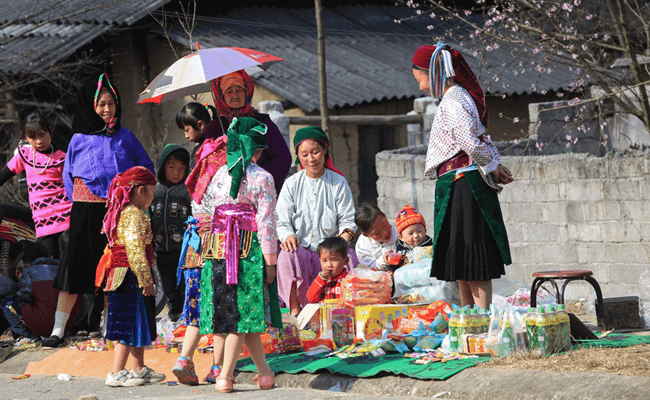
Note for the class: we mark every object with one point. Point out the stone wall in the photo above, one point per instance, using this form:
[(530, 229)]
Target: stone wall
[(570, 211)]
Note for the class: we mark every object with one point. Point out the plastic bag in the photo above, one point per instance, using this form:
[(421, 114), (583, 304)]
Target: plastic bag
[(414, 285), (505, 331), (521, 297), (365, 287), (165, 328), (644, 298)]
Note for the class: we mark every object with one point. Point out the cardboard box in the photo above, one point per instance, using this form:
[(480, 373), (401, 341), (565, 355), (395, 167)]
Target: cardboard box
[(371, 320)]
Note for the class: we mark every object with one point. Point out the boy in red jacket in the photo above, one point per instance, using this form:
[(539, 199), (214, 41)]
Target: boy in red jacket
[(333, 259)]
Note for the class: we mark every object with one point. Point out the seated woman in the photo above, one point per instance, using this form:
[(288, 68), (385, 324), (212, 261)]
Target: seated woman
[(314, 204)]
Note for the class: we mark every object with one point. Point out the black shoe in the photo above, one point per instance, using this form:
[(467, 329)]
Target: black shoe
[(52, 342)]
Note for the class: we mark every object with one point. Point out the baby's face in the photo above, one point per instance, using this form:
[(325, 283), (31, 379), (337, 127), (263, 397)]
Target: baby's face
[(413, 235)]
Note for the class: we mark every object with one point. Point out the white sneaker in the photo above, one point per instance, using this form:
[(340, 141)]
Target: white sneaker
[(148, 375), (123, 378)]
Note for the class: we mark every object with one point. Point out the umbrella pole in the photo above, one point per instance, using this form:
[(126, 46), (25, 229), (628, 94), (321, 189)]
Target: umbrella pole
[(214, 100)]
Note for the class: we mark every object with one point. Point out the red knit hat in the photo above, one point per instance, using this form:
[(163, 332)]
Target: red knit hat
[(464, 76), (407, 217)]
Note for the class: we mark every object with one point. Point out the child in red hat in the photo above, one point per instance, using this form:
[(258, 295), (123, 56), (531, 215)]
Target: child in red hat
[(412, 239)]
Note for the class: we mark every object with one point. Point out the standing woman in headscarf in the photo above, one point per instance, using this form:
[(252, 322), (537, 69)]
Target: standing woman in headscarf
[(233, 96), (315, 203), (240, 257), (100, 148), (470, 240)]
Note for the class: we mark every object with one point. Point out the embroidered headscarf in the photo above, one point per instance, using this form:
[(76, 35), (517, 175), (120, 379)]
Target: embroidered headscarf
[(221, 84), (245, 136), (443, 63), (86, 120), (119, 195), (317, 134)]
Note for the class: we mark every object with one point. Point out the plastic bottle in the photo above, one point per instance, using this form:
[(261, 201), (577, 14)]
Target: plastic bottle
[(508, 336), (485, 320), (531, 329), (563, 328), (474, 322), (551, 331), (542, 325), (464, 322), (454, 330)]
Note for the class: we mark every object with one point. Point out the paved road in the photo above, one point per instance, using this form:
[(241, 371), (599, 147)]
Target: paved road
[(42, 387)]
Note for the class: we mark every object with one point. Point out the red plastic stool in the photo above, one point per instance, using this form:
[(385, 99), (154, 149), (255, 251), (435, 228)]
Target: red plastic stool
[(568, 276)]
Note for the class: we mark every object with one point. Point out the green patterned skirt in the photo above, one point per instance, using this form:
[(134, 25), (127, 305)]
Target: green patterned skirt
[(250, 306)]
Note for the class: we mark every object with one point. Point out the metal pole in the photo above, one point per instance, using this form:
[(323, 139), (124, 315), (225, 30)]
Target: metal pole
[(322, 78)]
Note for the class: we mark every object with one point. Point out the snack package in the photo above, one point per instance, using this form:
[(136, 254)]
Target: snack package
[(290, 336), (364, 287), (342, 327)]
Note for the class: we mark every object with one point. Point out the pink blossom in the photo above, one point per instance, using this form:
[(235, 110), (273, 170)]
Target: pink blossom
[(574, 56), (475, 54), (605, 136), (568, 144), (543, 91), (549, 70), (566, 118), (516, 141), (430, 27), (574, 101), (515, 72), (560, 94), (514, 121), (503, 96), (539, 146), (589, 17), (489, 48), (606, 37), (575, 140), (467, 12)]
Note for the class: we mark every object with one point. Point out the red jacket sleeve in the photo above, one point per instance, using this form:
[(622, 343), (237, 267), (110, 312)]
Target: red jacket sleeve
[(315, 292)]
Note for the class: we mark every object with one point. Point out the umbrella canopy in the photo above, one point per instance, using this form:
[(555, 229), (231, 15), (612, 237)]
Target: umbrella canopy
[(191, 74)]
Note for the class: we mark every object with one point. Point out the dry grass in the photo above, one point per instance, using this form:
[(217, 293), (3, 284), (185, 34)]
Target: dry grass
[(632, 361)]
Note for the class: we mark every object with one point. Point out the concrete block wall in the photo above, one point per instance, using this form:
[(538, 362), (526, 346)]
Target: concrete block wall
[(569, 211)]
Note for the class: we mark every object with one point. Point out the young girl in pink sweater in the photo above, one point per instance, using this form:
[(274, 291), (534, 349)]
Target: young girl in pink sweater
[(43, 165)]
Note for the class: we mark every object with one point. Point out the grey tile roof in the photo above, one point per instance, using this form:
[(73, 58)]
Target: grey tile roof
[(47, 40), (368, 54), (115, 12)]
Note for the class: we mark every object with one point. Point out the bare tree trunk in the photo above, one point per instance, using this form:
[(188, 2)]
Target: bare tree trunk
[(322, 78), (634, 65)]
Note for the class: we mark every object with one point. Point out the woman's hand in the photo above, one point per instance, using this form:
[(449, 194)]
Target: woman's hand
[(290, 244), (148, 290), (502, 175), (348, 238), (270, 274)]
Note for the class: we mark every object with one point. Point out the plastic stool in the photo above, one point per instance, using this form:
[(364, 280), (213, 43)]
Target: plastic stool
[(568, 276)]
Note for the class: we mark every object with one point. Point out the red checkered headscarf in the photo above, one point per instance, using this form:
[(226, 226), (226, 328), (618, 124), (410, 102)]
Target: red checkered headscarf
[(222, 83), (407, 217), (119, 195), (425, 59)]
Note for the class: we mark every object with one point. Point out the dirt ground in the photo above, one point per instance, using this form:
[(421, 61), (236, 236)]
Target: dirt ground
[(631, 361)]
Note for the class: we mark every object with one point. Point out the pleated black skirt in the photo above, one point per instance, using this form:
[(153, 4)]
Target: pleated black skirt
[(466, 249), (86, 245)]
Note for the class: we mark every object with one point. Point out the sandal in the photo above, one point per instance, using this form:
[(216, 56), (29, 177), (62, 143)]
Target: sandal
[(225, 384), (265, 381)]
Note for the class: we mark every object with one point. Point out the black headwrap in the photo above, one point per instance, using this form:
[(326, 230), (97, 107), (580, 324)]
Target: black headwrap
[(86, 120)]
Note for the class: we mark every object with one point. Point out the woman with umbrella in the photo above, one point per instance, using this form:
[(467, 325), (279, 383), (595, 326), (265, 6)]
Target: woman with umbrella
[(470, 241), (233, 94)]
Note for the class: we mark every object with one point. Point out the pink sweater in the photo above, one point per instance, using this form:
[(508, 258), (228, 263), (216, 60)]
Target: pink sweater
[(50, 205)]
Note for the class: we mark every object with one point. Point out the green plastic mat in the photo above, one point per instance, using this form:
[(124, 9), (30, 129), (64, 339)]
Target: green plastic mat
[(613, 340), (363, 367), (368, 366)]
